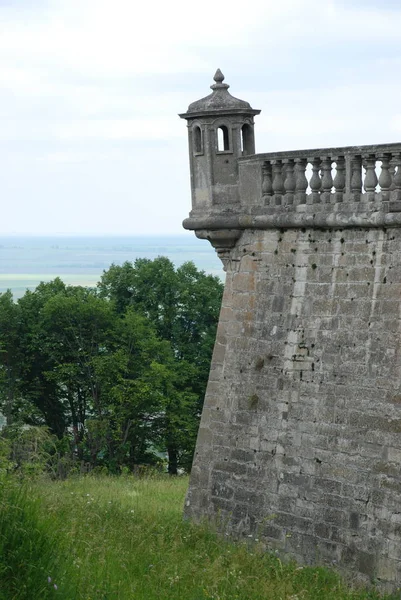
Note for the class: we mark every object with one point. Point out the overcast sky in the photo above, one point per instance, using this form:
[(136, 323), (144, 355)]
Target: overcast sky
[(90, 140)]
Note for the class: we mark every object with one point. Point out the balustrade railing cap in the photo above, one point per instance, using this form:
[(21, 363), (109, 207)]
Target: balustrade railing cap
[(376, 150), (219, 101)]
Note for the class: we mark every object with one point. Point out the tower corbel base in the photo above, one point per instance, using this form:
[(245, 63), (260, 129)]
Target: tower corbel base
[(222, 240)]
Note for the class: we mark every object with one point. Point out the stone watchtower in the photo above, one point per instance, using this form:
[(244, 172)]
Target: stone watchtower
[(300, 438), (220, 130)]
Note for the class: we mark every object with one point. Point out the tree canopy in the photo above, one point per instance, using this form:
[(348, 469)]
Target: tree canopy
[(117, 373)]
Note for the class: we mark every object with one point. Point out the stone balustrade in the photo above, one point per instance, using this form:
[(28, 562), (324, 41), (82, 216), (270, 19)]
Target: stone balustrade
[(353, 186), (353, 174)]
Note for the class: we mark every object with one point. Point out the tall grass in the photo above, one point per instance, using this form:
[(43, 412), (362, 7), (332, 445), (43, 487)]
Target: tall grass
[(30, 548), (124, 538)]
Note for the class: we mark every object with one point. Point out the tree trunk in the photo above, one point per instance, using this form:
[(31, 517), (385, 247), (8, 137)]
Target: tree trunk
[(172, 459)]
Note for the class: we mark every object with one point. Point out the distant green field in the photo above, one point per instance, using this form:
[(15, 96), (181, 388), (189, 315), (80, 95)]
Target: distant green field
[(25, 261), (20, 282), (34, 277)]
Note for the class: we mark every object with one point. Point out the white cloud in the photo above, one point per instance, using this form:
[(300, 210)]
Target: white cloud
[(125, 37), (119, 129), (396, 122), (90, 91)]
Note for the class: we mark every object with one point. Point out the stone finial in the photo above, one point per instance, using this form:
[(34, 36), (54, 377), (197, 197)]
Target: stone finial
[(220, 100), (219, 78)]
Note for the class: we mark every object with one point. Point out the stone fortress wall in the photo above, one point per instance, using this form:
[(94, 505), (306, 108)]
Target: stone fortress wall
[(300, 438)]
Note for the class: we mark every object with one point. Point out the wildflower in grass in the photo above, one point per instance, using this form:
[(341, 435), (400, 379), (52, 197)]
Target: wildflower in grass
[(49, 580), (55, 587)]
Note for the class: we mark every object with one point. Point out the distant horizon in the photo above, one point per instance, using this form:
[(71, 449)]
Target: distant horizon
[(26, 260), (97, 234)]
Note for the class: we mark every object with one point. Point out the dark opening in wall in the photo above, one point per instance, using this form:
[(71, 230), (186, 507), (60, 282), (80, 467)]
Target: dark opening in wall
[(223, 139), (247, 140), (197, 140)]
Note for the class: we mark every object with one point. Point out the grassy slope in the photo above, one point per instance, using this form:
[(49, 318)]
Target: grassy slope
[(29, 548), (125, 539)]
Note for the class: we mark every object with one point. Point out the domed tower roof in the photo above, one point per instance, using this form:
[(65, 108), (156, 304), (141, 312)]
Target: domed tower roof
[(219, 102)]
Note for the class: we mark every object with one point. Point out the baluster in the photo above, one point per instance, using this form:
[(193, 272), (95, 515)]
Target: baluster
[(267, 187), (392, 169), (327, 179), (278, 183), (315, 182), (339, 179), (289, 181), (397, 176), (370, 182), (385, 179), (356, 178), (301, 183)]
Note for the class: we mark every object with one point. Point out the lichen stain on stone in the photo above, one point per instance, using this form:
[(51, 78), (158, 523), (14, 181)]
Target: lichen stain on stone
[(259, 363), (253, 401)]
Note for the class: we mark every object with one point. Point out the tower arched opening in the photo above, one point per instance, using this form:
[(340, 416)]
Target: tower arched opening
[(223, 139), (247, 139), (197, 137)]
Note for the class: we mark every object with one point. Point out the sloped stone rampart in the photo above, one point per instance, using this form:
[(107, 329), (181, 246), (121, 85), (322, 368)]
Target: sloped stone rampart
[(300, 438)]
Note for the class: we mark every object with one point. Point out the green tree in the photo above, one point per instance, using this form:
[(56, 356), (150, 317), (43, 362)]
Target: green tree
[(121, 370), (105, 373), (77, 327), (183, 305), (40, 393), (133, 379), (10, 355)]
